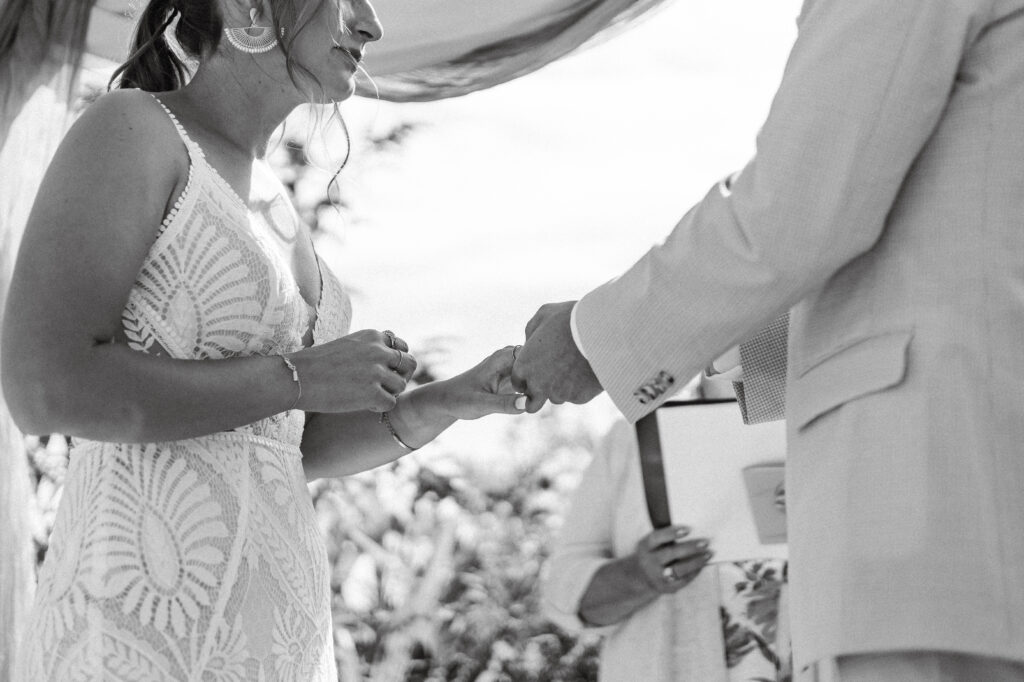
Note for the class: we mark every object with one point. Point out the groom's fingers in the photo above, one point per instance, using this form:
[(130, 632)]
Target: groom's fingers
[(535, 322), (534, 403), (535, 396), (517, 379)]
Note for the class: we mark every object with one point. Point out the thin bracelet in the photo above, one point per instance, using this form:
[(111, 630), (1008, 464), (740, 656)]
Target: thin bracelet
[(295, 377), (385, 419)]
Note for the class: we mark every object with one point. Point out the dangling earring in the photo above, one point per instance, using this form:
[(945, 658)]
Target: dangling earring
[(252, 39)]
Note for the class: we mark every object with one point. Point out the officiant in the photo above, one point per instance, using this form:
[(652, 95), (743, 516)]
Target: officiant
[(668, 608)]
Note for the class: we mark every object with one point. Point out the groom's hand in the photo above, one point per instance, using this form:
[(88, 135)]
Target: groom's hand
[(549, 366)]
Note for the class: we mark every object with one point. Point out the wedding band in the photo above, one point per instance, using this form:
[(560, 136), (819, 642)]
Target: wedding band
[(401, 359), (669, 574), (390, 336), (515, 352)]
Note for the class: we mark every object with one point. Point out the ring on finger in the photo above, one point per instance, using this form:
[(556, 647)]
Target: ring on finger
[(669, 574), (390, 336), (401, 361)]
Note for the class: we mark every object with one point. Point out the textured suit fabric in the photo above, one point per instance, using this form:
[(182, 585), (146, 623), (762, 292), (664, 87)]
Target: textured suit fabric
[(885, 209), (762, 393), (913, 666)]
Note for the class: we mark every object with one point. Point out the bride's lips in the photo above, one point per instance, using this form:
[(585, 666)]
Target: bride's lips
[(354, 54)]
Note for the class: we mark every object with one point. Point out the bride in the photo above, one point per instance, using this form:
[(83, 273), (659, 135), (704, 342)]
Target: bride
[(169, 312)]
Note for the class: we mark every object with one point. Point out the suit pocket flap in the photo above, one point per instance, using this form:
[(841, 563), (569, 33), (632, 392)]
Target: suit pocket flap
[(856, 369)]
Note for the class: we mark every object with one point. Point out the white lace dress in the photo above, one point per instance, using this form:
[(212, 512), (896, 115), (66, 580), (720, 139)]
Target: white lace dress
[(197, 559)]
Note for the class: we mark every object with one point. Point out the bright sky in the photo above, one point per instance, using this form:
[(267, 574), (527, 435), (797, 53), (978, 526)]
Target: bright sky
[(541, 189)]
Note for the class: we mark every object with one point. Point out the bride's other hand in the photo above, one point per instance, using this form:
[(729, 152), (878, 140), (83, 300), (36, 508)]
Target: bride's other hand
[(485, 389), (342, 444), (366, 370)]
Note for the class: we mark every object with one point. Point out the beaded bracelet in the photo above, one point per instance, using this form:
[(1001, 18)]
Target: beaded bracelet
[(385, 419), (295, 377)]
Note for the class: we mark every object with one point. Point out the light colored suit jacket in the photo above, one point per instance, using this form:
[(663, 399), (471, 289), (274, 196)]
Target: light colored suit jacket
[(886, 208)]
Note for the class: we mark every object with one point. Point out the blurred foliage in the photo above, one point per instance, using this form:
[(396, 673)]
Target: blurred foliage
[(316, 159), (435, 559)]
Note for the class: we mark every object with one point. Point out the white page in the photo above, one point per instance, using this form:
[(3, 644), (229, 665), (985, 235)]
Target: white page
[(705, 449)]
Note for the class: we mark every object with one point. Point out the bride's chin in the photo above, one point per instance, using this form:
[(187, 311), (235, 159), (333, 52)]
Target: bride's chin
[(345, 92), (337, 86)]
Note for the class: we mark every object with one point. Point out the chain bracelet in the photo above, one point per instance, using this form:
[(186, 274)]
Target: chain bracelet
[(385, 419), (295, 377)]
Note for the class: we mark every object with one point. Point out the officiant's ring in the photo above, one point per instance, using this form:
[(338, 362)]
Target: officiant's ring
[(390, 336), (669, 574)]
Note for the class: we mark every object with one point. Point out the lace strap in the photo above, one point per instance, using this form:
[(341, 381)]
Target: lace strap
[(194, 152), (197, 154)]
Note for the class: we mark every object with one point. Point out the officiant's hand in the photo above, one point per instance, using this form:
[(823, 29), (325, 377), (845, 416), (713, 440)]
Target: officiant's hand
[(665, 560), (668, 559), (549, 366), (485, 389)]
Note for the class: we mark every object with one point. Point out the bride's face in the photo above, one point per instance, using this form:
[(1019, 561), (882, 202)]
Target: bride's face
[(331, 45)]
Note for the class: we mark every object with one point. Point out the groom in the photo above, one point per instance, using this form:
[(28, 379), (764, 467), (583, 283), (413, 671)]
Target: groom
[(885, 207)]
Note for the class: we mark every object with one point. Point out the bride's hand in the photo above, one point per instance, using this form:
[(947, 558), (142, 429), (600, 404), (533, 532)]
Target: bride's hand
[(484, 389), (365, 370)]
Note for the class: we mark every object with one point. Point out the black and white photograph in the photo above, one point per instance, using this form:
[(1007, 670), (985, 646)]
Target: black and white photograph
[(530, 341)]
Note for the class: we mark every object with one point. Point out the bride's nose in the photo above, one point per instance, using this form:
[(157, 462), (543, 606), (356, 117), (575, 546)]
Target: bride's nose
[(364, 22)]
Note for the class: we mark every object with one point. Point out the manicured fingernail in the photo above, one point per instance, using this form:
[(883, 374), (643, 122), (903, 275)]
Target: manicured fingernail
[(682, 532), (521, 402), (701, 544)]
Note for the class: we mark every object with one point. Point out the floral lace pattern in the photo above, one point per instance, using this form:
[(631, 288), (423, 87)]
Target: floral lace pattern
[(195, 559), (755, 650)]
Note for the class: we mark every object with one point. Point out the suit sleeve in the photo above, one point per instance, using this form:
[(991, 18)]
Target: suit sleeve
[(865, 86)]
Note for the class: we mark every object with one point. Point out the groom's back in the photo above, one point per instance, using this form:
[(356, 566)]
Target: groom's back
[(906, 392)]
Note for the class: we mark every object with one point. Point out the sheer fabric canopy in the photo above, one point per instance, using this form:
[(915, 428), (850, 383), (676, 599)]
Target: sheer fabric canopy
[(435, 49)]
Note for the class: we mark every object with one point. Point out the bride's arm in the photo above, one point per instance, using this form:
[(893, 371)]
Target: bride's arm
[(342, 444), (96, 216), (347, 443)]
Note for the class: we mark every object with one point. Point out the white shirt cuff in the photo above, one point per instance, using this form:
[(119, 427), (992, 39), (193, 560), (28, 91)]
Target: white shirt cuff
[(576, 332), (727, 367)]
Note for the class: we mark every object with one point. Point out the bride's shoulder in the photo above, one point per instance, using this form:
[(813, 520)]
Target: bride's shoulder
[(130, 108), (129, 116), (126, 128)]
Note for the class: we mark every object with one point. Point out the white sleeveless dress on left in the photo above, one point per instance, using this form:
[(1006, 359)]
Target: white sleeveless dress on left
[(197, 559)]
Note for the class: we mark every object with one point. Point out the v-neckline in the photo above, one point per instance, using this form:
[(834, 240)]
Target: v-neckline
[(313, 312)]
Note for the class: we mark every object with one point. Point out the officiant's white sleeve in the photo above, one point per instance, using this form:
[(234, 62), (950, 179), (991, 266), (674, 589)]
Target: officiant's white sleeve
[(585, 541), (864, 88)]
